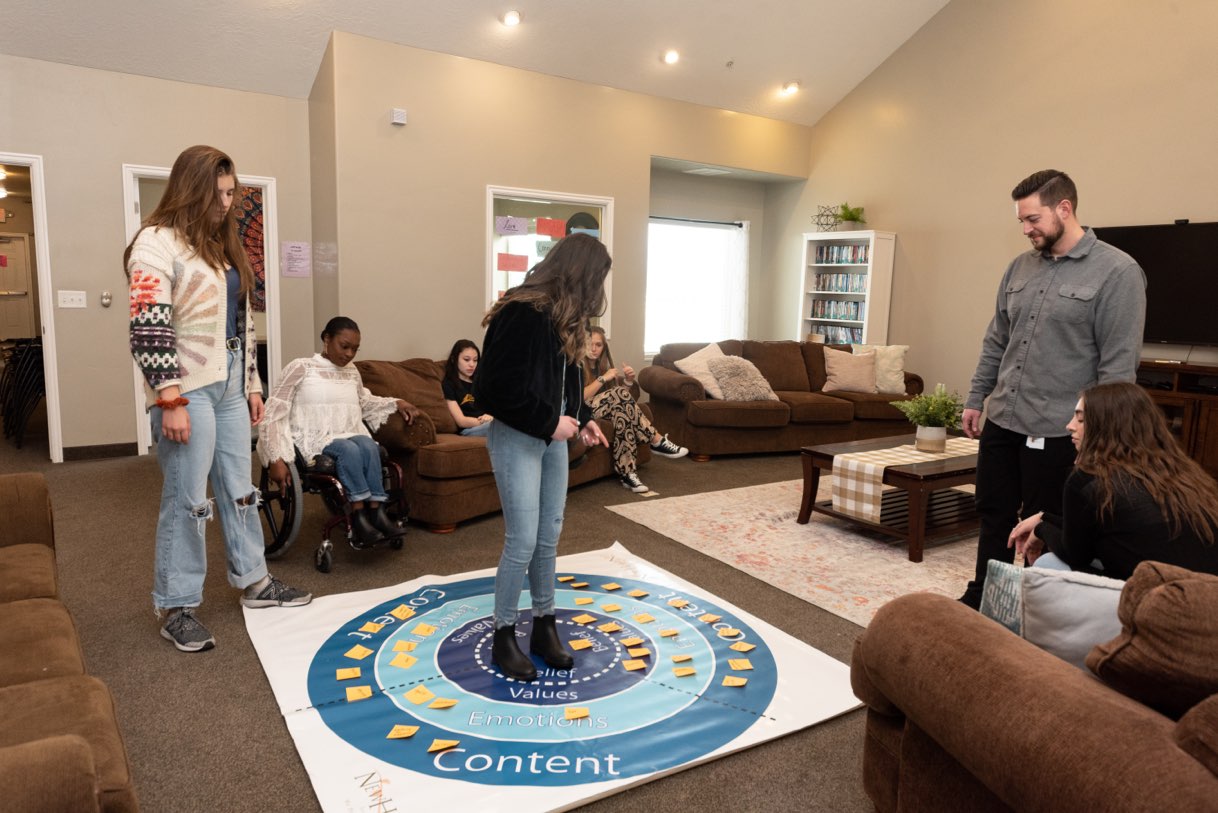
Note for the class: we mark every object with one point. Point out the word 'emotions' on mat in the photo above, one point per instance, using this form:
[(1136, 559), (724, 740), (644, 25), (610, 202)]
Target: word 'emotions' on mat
[(394, 689)]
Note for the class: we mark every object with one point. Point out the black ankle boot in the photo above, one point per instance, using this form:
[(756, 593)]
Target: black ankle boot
[(506, 654), (366, 534), (381, 521), (545, 642)]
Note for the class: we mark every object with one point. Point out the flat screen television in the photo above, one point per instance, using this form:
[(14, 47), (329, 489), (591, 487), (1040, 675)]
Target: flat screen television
[(1181, 265)]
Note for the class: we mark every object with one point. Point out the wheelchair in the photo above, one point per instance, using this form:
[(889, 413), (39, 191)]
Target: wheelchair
[(283, 512)]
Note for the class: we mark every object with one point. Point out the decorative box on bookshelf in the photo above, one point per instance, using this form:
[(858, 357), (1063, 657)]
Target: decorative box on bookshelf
[(846, 286)]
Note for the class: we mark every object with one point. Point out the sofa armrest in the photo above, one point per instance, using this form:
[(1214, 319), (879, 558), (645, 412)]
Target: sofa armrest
[(913, 384), (661, 382), (1040, 733), (25, 510), (398, 436), (50, 775)]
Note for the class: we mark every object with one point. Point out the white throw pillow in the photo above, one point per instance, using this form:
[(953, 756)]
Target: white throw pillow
[(849, 372), (740, 379), (889, 366), (695, 365)]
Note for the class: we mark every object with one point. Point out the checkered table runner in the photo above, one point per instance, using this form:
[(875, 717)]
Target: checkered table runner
[(858, 476)]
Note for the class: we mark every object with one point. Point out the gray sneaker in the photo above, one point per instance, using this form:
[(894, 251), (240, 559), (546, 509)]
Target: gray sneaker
[(186, 632), (275, 594)]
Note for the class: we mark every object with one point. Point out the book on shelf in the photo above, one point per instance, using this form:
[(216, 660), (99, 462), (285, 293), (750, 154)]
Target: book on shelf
[(842, 283), (844, 255)]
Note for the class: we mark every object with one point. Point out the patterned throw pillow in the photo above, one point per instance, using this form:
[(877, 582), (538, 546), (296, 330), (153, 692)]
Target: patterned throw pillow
[(740, 379)]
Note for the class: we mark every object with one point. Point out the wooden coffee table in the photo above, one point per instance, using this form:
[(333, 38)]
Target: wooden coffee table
[(920, 508)]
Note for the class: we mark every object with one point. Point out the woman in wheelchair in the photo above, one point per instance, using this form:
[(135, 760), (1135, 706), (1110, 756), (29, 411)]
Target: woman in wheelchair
[(321, 406)]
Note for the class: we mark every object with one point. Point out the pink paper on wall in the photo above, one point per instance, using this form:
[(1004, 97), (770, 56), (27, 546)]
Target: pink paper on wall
[(512, 262), (551, 227)]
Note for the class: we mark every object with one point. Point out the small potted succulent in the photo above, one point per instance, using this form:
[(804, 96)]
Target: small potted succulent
[(933, 413)]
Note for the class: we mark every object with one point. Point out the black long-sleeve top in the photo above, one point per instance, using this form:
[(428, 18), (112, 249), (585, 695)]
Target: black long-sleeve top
[(523, 374), (1135, 531)]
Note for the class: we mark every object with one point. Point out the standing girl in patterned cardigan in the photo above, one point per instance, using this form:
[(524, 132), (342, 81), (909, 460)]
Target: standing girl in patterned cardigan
[(192, 334)]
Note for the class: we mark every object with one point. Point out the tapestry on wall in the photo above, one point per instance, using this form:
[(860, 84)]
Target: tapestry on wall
[(249, 229)]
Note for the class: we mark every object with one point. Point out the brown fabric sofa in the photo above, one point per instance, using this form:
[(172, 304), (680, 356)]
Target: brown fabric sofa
[(448, 477), (60, 746), (963, 715), (804, 415)]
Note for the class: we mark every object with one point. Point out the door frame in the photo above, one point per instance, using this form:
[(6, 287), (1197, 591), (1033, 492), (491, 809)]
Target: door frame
[(132, 175), (46, 311)]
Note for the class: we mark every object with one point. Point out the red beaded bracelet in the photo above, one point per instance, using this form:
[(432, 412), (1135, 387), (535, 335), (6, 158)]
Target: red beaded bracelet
[(173, 403)]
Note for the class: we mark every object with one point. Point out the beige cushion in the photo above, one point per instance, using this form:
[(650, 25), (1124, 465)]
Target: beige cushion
[(853, 372), (889, 366), (695, 366), (740, 380)]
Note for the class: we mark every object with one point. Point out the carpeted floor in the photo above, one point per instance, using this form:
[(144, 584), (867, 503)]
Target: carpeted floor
[(203, 732), (827, 562)]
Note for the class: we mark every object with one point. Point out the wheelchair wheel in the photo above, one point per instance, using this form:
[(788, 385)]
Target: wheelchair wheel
[(281, 513)]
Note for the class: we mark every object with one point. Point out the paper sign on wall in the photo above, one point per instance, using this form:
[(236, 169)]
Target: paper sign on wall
[(506, 224), (551, 227), (297, 259), (512, 262)]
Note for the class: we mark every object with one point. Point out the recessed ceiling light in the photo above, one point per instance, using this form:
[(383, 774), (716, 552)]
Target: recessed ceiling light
[(671, 57), (790, 88), (511, 18)]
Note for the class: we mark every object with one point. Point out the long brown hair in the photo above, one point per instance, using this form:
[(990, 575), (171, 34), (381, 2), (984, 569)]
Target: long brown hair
[(187, 206), (593, 369), (570, 284), (1126, 439)]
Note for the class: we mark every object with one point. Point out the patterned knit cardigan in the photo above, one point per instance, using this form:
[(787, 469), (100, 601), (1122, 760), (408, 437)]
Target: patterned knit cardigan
[(178, 316)]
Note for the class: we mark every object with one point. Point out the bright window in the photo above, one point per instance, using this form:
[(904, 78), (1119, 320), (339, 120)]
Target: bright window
[(697, 282)]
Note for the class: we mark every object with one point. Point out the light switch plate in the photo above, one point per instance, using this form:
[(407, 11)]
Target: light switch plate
[(71, 299)]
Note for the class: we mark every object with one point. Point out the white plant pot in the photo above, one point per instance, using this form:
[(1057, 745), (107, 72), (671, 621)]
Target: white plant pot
[(931, 439)]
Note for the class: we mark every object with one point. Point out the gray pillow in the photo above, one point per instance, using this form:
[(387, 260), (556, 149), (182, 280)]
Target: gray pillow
[(740, 379)]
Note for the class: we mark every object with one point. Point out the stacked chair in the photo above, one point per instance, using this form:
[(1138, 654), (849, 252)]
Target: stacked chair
[(22, 385)]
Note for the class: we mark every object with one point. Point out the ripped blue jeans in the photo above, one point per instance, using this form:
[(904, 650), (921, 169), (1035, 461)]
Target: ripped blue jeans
[(219, 450)]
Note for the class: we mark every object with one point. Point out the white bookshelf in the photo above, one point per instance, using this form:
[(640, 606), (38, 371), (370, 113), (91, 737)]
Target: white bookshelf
[(846, 286)]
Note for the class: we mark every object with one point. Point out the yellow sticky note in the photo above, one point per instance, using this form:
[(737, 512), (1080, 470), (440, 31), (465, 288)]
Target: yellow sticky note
[(684, 671), (644, 618), (402, 612), (668, 633), (611, 608), (403, 661), (741, 646), (423, 630), (584, 618), (566, 578), (634, 666), (728, 632), (681, 658), (612, 626), (358, 652), (633, 640), (639, 652), (370, 626), (442, 703), (709, 618), (419, 695), (579, 584), (579, 643), (732, 680), (584, 600), (405, 646), (612, 586), (677, 602), (575, 712), (401, 732), (739, 664), (346, 674), (442, 745), (637, 593), (358, 693)]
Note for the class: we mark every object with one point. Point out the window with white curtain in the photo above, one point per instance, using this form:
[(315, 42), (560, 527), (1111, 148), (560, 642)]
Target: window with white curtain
[(697, 282)]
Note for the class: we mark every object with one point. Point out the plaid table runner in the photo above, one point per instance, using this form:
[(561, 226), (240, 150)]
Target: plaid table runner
[(857, 477)]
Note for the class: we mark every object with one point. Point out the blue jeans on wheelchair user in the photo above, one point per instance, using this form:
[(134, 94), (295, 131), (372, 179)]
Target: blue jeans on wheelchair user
[(219, 451), (358, 461), (532, 479)]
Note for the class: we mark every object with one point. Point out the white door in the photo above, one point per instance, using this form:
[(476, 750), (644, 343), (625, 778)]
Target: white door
[(16, 288)]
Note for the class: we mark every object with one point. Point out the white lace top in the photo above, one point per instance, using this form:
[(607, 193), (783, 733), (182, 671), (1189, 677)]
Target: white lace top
[(314, 403)]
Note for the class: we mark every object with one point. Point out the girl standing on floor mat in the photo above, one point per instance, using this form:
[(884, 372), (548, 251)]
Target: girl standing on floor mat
[(192, 334), (530, 381)]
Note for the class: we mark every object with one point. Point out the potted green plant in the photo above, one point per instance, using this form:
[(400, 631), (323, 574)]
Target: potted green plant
[(933, 413), (851, 216)]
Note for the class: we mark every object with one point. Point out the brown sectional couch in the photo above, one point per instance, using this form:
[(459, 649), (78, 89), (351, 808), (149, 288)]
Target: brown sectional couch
[(803, 416), (447, 476), (60, 746)]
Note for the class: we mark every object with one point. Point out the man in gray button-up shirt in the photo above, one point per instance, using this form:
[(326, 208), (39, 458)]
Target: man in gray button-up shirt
[(1069, 315)]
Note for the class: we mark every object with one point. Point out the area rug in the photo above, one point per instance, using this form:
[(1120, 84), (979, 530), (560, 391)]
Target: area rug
[(393, 702), (828, 562)]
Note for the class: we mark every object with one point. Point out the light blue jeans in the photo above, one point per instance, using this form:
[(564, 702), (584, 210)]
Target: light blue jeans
[(532, 480), (481, 430), (219, 450), (358, 461)]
